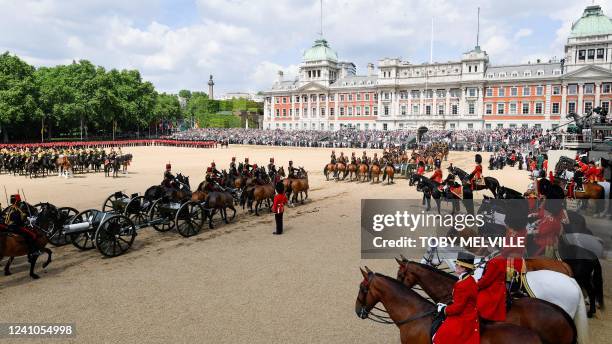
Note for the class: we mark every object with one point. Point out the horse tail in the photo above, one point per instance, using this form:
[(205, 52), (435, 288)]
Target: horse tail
[(325, 170), (580, 319), (598, 283)]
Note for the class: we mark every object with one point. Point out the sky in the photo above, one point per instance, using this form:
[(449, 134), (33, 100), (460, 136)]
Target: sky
[(177, 44)]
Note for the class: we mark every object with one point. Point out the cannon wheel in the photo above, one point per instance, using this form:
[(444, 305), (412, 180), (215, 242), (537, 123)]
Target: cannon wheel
[(115, 235), (155, 215), (135, 211), (84, 240), (189, 219), (109, 204), (56, 234)]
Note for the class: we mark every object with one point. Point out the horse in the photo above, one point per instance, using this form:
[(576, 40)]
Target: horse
[(413, 314), (352, 171), (549, 321), (13, 245), (375, 173), (328, 169), (362, 174), (341, 168), (590, 191), (491, 183), (219, 201), (298, 186), (388, 173), (257, 194), (64, 167)]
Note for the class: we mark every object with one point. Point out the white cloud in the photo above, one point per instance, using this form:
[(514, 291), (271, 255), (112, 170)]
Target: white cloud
[(245, 42)]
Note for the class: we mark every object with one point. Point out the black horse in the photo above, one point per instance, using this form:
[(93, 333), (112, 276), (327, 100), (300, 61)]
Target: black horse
[(491, 183)]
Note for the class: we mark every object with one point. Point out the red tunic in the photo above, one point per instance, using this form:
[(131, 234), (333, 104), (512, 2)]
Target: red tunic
[(437, 176), (278, 206), (512, 234), (545, 165), (461, 324), (477, 174), (549, 230), (421, 171), (591, 174), (492, 291)]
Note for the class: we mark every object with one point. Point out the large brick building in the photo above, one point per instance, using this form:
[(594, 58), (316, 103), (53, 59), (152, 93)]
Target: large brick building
[(468, 93)]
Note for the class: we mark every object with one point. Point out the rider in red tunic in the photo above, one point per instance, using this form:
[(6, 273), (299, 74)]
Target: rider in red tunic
[(421, 169), (477, 173), (551, 216), (491, 302), (437, 176), (461, 324)]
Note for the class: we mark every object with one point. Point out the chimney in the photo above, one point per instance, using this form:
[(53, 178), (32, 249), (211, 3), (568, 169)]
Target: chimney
[(280, 76), (371, 71)]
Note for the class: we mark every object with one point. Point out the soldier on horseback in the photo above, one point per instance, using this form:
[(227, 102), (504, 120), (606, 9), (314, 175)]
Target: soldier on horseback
[(476, 176), (353, 159), (169, 180), (16, 219), (291, 170), (437, 176), (375, 162), (333, 157), (232, 167), (272, 169)]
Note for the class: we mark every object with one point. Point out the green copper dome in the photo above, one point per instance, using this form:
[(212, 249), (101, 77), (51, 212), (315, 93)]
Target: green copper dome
[(592, 23), (320, 51)]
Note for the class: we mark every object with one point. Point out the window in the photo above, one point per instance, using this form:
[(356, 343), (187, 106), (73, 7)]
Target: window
[(277, 113), (525, 109), (540, 73), (488, 126), (600, 53), (386, 110), (526, 91), (489, 92), (527, 73), (290, 112), (501, 108), (305, 112), (332, 97), (454, 109), (367, 110), (500, 125), (557, 72), (588, 88), (297, 111), (358, 111), (469, 69), (350, 111), (591, 54), (322, 112), (513, 108), (341, 111), (605, 106), (472, 92), (322, 97), (490, 75), (501, 92), (386, 96), (428, 94), (606, 88), (440, 109), (512, 126), (276, 100), (538, 126), (539, 90), (488, 109), (332, 112), (556, 108), (375, 111), (581, 55), (385, 126), (314, 112), (503, 75), (514, 91), (452, 125), (403, 110), (297, 99), (588, 106), (350, 97), (428, 109), (358, 96), (525, 125), (470, 126), (367, 96), (539, 108), (415, 109), (415, 94), (342, 97), (441, 93), (514, 74), (572, 89), (556, 90), (571, 107), (471, 108)]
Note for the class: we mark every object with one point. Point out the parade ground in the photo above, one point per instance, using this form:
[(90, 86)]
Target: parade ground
[(237, 283)]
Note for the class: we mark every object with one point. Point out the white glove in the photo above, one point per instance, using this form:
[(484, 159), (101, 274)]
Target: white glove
[(441, 307)]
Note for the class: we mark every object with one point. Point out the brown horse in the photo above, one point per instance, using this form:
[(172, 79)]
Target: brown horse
[(64, 167), (549, 321), (298, 186), (352, 171), (329, 168), (258, 194), (413, 314), (341, 169), (375, 173), (219, 201), (362, 176), (389, 171), (12, 245)]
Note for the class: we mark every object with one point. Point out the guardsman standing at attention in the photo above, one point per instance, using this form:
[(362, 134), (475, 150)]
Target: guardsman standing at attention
[(491, 302), (461, 324)]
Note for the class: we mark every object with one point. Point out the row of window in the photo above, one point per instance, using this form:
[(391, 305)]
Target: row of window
[(516, 74), (538, 108), (367, 126), (590, 54), (366, 110), (514, 91), (322, 98)]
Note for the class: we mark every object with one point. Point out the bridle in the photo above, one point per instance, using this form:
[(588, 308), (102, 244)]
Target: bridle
[(382, 319)]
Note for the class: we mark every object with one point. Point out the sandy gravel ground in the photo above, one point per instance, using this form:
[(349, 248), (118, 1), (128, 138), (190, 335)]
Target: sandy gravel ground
[(235, 284)]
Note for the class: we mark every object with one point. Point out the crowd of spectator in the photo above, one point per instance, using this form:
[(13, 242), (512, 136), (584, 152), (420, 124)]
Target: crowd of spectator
[(473, 140)]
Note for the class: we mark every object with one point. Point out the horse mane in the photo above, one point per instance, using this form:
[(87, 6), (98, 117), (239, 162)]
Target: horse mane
[(402, 288), (435, 270)]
